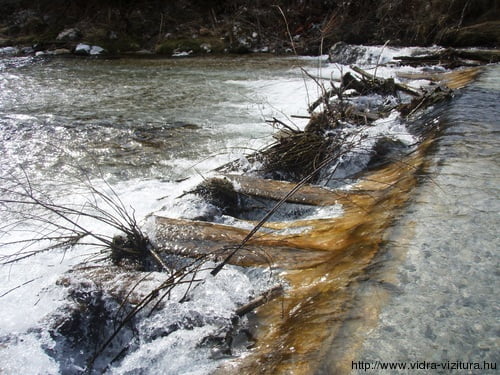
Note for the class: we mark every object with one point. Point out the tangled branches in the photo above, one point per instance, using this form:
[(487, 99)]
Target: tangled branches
[(36, 222), (50, 223)]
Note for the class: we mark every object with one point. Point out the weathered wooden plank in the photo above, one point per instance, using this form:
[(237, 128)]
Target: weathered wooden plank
[(197, 238), (454, 80), (277, 190)]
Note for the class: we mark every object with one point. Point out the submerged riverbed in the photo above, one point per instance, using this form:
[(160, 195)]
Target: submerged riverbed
[(144, 126), (446, 306)]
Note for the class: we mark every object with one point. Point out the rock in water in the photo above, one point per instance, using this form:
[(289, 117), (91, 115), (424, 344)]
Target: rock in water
[(9, 51), (346, 54), (82, 49), (96, 50)]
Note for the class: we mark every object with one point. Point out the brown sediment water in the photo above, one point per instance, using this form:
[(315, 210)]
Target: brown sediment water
[(296, 331), (319, 324)]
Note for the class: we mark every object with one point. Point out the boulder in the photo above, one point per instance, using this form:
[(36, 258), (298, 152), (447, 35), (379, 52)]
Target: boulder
[(346, 54), (96, 50), (61, 51), (9, 51), (86, 50), (82, 49)]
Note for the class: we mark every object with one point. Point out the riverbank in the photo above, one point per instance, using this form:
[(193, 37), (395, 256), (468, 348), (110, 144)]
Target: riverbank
[(219, 27)]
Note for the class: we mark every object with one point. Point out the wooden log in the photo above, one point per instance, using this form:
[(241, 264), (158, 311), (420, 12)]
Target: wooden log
[(434, 77), (477, 34), (350, 82), (460, 78), (398, 86), (276, 190), (433, 59), (453, 80), (453, 57), (197, 238), (321, 100), (485, 56)]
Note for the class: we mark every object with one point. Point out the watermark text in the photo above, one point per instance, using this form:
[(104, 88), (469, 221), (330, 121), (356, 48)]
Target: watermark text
[(424, 365)]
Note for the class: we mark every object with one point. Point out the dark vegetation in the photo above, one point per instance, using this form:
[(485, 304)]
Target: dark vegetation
[(241, 26)]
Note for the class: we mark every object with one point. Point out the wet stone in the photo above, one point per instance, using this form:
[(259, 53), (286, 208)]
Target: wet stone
[(82, 49)]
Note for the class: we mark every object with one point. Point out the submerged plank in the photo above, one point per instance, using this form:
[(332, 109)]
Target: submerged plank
[(297, 333), (199, 238)]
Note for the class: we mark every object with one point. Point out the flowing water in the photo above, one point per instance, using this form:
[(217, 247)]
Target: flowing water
[(136, 118), (445, 309), (139, 127), (146, 125)]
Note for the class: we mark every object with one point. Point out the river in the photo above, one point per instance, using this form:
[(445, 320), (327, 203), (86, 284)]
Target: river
[(140, 118), (145, 125), (135, 129)]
